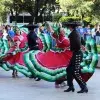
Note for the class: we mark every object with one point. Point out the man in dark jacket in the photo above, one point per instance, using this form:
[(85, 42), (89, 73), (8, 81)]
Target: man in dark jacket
[(32, 37), (32, 40), (74, 69)]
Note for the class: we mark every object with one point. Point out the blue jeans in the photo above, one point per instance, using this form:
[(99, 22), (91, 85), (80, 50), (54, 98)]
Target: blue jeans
[(98, 40), (87, 36)]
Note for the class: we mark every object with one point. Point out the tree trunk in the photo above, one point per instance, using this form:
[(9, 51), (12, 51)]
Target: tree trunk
[(36, 11), (11, 12), (46, 1), (16, 17)]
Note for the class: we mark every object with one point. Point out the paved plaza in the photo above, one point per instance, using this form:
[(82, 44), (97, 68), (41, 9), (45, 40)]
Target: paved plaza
[(23, 88)]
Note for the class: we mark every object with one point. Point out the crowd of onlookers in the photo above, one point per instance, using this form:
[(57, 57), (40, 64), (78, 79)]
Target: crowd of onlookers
[(7, 33), (85, 32), (6, 30), (89, 31)]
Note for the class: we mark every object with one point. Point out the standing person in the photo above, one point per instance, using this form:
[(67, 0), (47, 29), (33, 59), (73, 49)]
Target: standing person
[(87, 32), (5, 34), (93, 31), (9, 31), (80, 29), (98, 35), (74, 69), (32, 40), (14, 44)]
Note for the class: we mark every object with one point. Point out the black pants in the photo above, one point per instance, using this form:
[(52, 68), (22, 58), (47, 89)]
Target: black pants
[(34, 48), (74, 69)]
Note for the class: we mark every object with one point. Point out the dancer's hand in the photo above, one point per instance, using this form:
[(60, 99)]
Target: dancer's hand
[(83, 48)]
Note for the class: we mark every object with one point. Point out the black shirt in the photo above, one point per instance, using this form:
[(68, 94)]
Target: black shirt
[(32, 37), (97, 33), (75, 41)]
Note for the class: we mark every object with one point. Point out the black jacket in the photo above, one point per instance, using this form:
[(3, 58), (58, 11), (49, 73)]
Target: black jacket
[(32, 37), (75, 41)]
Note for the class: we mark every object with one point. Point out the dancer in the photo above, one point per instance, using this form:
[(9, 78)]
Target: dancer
[(32, 41), (73, 70), (32, 37), (17, 42)]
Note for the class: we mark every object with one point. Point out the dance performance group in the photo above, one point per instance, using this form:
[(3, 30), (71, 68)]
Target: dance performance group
[(51, 53)]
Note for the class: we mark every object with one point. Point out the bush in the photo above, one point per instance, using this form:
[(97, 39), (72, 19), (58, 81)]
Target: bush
[(65, 19), (56, 17), (87, 20)]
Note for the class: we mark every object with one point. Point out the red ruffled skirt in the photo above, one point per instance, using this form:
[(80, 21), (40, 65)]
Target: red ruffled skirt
[(54, 60)]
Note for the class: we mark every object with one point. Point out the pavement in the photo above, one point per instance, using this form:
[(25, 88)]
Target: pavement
[(23, 88)]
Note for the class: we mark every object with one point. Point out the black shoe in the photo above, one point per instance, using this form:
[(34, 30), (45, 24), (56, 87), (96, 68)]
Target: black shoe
[(85, 90), (69, 89), (37, 79)]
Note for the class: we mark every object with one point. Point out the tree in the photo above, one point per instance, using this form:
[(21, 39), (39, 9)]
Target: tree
[(37, 7), (14, 7), (76, 7), (10, 6), (82, 10), (3, 12), (96, 8)]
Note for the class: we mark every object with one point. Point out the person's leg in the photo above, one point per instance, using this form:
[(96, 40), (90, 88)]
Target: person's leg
[(16, 73), (77, 74), (81, 83), (70, 79), (99, 40), (70, 72), (13, 73), (60, 82)]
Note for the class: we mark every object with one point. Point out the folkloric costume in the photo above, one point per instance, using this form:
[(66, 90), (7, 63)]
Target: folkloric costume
[(32, 37), (51, 65), (32, 40), (19, 42), (74, 68)]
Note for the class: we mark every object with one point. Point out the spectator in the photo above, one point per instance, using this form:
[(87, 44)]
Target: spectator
[(93, 31), (9, 31), (81, 30), (98, 35), (32, 41), (4, 33), (87, 31)]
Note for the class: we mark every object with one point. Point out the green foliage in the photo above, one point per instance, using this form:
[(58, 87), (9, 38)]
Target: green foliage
[(64, 19), (88, 10), (91, 20), (78, 8), (9, 6), (56, 17), (96, 8), (95, 21), (38, 7), (3, 12), (87, 20)]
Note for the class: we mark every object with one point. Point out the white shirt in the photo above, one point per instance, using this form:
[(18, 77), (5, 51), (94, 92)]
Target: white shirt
[(5, 35)]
